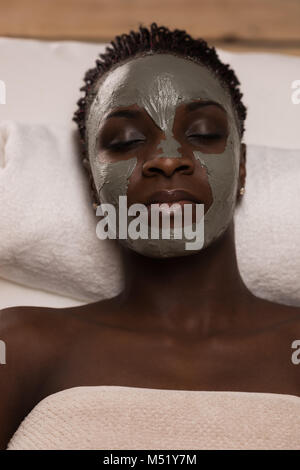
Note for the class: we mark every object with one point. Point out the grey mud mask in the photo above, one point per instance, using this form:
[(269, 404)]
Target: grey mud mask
[(159, 83)]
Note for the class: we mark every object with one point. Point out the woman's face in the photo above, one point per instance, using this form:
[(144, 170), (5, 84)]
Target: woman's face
[(160, 123)]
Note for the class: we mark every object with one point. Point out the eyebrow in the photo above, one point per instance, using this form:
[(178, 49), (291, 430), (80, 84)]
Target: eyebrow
[(201, 104), (127, 113), (134, 114)]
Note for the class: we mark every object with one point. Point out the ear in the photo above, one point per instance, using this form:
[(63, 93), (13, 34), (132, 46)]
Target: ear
[(242, 169), (94, 194)]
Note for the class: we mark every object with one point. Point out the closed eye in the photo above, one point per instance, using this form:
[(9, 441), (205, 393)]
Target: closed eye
[(124, 145), (205, 136)]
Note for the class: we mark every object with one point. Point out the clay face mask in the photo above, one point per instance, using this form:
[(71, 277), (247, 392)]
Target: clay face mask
[(159, 83)]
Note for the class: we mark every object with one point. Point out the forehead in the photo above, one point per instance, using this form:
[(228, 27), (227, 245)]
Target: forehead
[(158, 83)]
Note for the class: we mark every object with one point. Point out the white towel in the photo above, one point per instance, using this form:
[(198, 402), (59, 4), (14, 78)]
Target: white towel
[(267, 225), (116, 417), (48, 227)]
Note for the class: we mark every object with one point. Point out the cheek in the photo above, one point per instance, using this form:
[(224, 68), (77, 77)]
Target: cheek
[(114, 179), (136, 183), (221, 172), (223, 184), (104, 156), (202, 181)]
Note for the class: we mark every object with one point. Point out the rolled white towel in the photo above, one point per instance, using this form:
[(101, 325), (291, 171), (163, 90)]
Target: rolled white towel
[(267, 225), (48, 226)]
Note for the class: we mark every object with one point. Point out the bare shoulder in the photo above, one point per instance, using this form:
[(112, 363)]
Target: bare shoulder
[(19, 326), (30, 339), (277, 315), (37, 333), (288, 352), (35, 337), (281, 325), (29, 336), (291, 321), (27, 326)]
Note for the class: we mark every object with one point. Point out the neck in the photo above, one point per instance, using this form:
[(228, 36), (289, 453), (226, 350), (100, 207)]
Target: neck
[(175, 289)]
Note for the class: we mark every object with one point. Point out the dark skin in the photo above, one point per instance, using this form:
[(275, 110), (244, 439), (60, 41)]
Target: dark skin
[(201, 330)]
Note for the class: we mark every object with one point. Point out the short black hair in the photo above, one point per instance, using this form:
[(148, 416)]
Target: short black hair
[(158, 39)]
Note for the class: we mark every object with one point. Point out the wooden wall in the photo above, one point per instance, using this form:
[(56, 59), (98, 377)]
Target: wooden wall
[(261, 25)]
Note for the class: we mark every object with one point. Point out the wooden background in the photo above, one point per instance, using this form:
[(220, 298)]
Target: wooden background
[(245, 25)]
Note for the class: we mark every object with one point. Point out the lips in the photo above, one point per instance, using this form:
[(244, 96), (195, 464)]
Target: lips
[(171, 196), (165, 199)]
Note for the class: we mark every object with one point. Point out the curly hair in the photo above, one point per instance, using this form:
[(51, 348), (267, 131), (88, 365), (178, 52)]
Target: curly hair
[(161, 40)]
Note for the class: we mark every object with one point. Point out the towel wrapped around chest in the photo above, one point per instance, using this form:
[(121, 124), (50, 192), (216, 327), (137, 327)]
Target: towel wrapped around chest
[(118, 417)]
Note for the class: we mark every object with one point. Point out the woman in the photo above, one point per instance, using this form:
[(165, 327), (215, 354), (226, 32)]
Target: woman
[(162, 121)]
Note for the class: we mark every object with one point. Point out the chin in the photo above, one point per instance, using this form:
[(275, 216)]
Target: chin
[(159, 248), (170, 248)]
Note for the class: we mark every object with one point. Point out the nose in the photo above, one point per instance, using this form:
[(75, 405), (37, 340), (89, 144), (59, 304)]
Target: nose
[(167, 166)]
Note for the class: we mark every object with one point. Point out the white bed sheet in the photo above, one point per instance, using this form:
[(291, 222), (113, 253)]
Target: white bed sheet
[(12, 294)]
